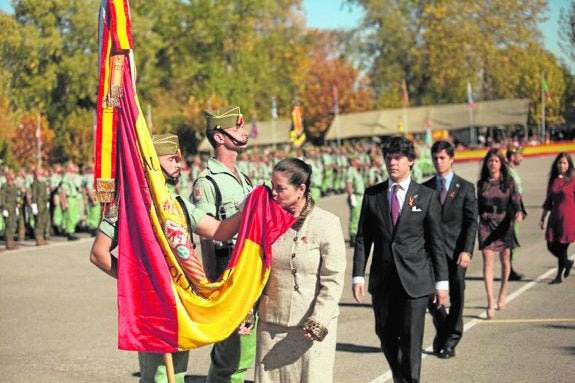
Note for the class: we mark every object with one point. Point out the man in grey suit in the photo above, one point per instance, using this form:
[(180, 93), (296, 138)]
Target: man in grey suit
[(459, 218), (401, 219)]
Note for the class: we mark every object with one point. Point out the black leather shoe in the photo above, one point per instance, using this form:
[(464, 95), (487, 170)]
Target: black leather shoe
[(446, 353), (515, 276)]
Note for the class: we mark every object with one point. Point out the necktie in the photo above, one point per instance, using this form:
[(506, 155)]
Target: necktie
[(443, 194), (394, 205)]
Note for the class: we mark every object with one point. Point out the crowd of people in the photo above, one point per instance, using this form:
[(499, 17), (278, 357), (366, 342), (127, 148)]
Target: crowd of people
[(421, 236), (59, 199)]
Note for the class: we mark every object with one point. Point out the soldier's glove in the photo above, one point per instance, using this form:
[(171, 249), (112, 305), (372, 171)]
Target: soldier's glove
[(5, 213), (352, 200), (34, 208)]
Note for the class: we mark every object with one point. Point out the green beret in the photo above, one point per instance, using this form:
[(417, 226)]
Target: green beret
[(223, 118), (166, 144)]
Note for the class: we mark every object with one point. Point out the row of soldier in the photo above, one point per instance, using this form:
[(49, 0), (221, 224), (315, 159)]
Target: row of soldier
[(59, 200), (46, 202)]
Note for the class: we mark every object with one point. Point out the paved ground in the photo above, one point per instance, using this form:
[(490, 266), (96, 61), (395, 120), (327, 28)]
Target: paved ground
[(58, 317)]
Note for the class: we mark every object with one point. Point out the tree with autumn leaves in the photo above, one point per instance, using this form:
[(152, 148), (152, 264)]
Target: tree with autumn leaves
[(196, 55)]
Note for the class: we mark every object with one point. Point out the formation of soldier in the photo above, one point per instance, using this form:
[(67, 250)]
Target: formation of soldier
[(59, 200), (46, 202)]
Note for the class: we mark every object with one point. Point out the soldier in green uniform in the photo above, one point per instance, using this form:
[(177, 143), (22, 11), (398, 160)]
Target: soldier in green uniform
[(39, 206), (376, 172), (152, 368), (92, 206), (219, 191), (23, 181), (55, 205), (9, 197), (70, 200), (354, 186), (328, 170), (312, 158), (341, 168)]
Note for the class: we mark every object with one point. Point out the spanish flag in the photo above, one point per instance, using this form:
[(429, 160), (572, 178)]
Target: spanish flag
[(165, 301)]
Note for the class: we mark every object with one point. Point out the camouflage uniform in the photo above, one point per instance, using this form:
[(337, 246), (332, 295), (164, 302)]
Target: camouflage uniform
[(10, 195), (219, 192), (40, 208)]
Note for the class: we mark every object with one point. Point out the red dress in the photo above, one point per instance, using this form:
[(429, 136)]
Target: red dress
[(560, 202)]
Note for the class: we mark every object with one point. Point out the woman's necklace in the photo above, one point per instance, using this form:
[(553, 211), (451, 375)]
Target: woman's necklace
[(297, 226)]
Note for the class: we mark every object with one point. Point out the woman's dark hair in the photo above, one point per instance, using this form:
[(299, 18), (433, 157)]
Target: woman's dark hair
[(484, 176), (554, 173), (297, 172)]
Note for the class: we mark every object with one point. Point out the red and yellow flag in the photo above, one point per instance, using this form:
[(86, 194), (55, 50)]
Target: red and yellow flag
[(165, 301)]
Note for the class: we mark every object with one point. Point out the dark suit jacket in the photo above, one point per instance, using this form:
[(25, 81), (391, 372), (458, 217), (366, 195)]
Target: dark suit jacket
[(415, 248), (459, 216)]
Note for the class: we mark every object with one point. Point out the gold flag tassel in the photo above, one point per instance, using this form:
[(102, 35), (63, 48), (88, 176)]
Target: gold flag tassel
[(112, 99)]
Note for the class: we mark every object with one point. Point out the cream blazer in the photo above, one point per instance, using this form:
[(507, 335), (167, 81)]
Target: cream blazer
[(307, 274)]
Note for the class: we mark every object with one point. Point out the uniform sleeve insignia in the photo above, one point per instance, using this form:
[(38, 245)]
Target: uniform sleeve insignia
[(197, 192)]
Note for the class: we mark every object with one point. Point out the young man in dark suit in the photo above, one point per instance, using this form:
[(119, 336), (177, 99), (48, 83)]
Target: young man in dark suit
[(459, 218), (401, 219)]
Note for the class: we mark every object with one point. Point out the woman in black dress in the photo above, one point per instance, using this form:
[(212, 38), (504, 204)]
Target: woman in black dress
[(499, 206)]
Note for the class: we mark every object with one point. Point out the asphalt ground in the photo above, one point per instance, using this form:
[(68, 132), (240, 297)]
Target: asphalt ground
[(58, 317)]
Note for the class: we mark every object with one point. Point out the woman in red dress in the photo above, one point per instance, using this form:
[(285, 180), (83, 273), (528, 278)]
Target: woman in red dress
[(499, 206), (560, 203)]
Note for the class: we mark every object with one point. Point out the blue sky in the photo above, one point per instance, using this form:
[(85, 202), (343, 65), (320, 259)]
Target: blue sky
[(333, 14)]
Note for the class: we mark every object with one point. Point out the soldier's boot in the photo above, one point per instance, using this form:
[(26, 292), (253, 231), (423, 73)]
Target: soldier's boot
[(21, 234), (40, 241), (10, 245), (352, 241)]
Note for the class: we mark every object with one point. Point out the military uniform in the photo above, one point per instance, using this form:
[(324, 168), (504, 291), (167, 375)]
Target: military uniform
[(55, 204), (220, 192), (9, 200), (23, 181), (354, 200), (40, 208), (92, 206), (71, 195), (215, 254), (328, 171)]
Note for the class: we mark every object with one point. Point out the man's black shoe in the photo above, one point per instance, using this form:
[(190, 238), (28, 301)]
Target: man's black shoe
[(446, 353), (515, 276)]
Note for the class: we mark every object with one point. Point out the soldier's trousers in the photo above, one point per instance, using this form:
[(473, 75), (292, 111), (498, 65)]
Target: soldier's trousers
[(92, 216), (153, 369), (232, 357), (42, 224), (327, 184), (11, 225), (71, 216), (315, 193), (354, 212)]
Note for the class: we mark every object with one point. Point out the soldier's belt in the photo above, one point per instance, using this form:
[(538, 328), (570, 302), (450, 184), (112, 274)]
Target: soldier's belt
[(224, 251)]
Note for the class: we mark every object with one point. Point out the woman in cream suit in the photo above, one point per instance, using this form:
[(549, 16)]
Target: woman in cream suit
[(299, 307)]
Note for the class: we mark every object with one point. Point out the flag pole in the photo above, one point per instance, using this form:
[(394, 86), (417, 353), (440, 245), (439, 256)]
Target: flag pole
[(542, 107), (470, 108), (39, 139), (169, 362), (405, 101), (336, 113), (274, 117)]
